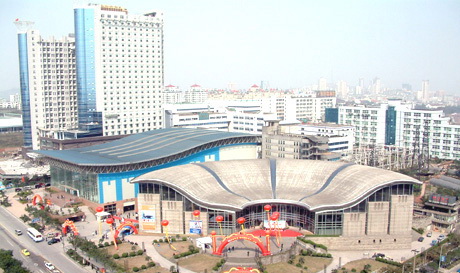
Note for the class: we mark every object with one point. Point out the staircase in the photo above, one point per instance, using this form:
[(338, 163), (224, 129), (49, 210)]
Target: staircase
[(239, 262)]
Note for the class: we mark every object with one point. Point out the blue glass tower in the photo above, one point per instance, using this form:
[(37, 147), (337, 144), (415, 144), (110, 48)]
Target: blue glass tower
[(88, 118), (24, 81)]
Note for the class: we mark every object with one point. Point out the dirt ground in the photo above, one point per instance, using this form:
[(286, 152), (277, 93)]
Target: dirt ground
[(313, 264), (199, 263), (133, 261), (168, 251), (359, 265)]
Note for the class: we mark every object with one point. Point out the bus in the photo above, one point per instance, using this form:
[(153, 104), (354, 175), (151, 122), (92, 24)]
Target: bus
[(35, 235)]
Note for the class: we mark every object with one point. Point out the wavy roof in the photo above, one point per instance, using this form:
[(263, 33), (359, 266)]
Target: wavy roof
[(317, 185), (141, 147)]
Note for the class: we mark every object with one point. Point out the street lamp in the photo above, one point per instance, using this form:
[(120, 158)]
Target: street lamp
[(415, 255), (440, 256)]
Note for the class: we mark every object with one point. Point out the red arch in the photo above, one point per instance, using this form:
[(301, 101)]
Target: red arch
[(34, 199), (71, 225), (242, 236), (123, 225)]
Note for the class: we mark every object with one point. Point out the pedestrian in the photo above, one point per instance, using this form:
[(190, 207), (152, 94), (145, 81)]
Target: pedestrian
[(248, 253), (229, 250), (233, 248)]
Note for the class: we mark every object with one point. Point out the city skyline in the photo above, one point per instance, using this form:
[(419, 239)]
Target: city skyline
[(287, 45)]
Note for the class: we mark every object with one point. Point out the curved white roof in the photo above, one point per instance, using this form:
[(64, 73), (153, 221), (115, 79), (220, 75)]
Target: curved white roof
[(317, 185)]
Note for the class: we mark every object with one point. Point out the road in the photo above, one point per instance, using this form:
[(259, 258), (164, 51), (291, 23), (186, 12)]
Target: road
[(40, 251)]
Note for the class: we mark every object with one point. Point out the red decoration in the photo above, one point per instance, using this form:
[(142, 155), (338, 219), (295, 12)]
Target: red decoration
[(219, 218), (267, 233), (109, 221), (99, 209), (213, 233), (164, 223), (267, 207), (196, 213), (276, 213), (241, 220), (274, 217)]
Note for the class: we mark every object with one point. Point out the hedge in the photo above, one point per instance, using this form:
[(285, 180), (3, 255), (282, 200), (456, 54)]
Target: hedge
[(388, 262), (315, 245)]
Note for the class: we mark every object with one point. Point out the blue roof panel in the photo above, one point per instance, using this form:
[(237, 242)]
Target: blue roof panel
[(141, 147)]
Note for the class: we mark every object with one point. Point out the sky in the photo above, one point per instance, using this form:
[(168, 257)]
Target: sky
[(284, 43)]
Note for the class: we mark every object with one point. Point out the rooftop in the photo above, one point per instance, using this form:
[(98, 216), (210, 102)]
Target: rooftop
[(142, 147), (317, 185)]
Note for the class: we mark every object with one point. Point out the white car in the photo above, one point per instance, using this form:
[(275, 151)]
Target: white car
[(50, 266)]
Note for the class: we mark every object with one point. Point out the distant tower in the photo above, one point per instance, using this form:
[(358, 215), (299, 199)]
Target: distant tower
[(425, 90), (342, 89), (376, 86), (322, 84)]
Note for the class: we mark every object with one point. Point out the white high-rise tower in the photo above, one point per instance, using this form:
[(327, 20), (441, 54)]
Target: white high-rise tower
[(119, 59)]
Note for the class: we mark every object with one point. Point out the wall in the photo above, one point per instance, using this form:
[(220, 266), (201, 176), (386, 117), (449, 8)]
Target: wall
[(354, 224), (401, 209), (377, 218)]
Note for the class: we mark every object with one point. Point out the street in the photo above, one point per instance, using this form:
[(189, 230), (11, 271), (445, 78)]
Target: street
[(39, 252)]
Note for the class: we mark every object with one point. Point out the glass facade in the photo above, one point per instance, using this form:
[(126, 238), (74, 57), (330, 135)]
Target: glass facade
[(79, 184), (390, 126), (25, 96), (86, 72)]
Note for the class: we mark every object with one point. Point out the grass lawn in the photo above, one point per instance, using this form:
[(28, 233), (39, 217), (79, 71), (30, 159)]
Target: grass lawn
[(133, 261), (313, 264), (359, 265), (168, 251), (199, 262), (11, 140)]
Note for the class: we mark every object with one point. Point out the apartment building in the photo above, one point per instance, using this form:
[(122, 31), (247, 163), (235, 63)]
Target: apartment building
[(401, 125), (340, 137), (48, 83)]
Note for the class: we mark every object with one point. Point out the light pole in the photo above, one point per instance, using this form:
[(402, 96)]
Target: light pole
[(440, 256), (415, 255)]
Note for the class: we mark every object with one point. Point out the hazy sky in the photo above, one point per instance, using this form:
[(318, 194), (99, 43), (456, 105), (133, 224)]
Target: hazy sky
[(286, 43)]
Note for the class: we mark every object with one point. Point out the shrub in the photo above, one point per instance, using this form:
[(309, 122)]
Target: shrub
[(140, 252), (177, 256), (173, 240), (290, 262), (155, 241), (298, 265), (100, 245), (353, 270), (151, 264), (116, 256), (136, 269), (160, 241), (132, 254), (106, 244), (125, 255), (215, 268), (184, 239), (111, 243), (143, 266)]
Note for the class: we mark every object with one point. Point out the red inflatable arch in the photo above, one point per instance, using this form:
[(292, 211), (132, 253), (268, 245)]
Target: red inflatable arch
[(71, 225), (34, 199), (242, 236), (242, 270), (123, 225)]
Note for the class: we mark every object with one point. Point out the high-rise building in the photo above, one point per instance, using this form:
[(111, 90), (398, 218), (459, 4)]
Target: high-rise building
[(119, 58), (106, 79), (425, 90), (322, 84), (48, 83)]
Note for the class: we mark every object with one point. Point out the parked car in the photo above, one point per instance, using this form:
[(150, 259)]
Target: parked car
[(18, 232), (48, 185), (17, 189), (378, 255), (50, 266), (429, 234), (441, 237), (420, 239), (434, 242), (25, 252), (53, 241)]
